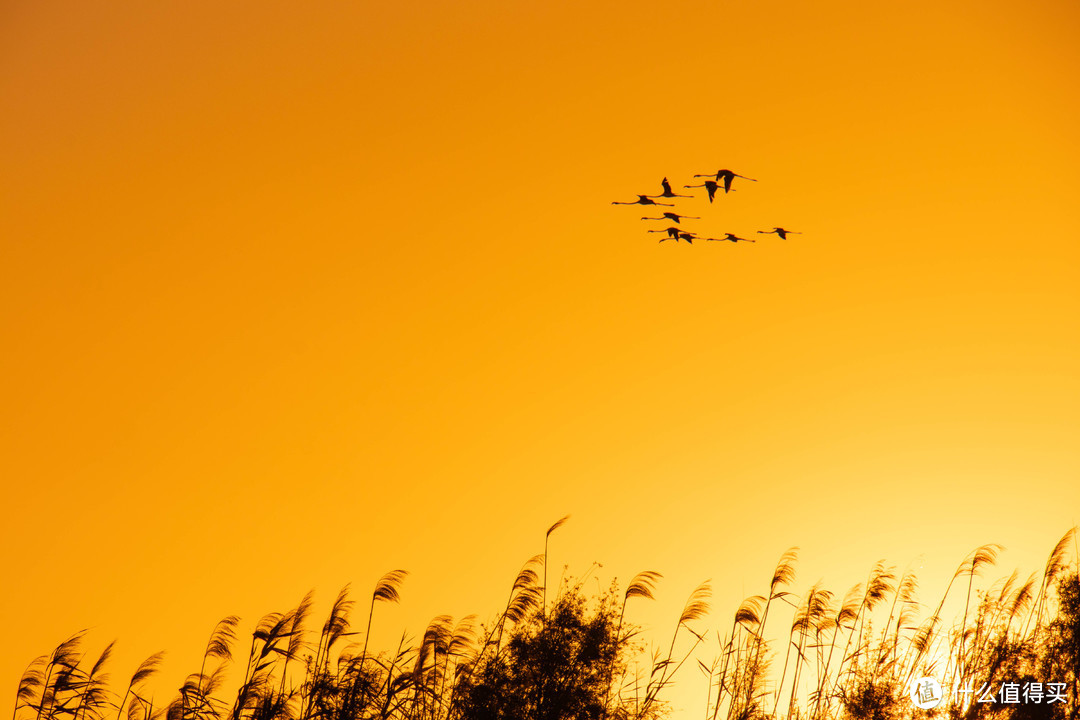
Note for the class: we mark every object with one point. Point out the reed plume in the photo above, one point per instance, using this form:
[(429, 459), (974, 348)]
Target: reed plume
[(144, 672), (642, 585), (56, 677), (386, 590), (783, 575), (1055, 565), (696, 607), (93, 698), (558, 524)]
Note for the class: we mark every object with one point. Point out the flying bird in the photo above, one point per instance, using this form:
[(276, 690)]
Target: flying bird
[(732, 238), (727, 176), (779, 231), (667, 191), (642, 200), (688, 237), (709, 185), (673, 217), (673, 232)]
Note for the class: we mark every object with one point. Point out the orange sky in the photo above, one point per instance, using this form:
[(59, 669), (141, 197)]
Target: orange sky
[(295, 295)]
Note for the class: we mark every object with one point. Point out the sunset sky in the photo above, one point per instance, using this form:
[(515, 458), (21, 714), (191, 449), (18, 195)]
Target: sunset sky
[(294, 294)]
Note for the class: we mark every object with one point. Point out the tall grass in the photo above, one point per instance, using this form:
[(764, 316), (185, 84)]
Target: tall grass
[(843, 656)]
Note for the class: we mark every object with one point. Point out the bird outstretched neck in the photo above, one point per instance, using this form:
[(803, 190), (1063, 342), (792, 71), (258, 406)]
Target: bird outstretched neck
[(710, 187), (674, 217), (642, 200), (783, 233)]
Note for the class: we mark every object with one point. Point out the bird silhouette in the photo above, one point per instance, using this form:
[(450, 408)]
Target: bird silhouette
[(673, 217), (673, 232), (709, 185), (727, 176), (732, 238), (667, 191), (688, 237), (779, 231), (642, 200)]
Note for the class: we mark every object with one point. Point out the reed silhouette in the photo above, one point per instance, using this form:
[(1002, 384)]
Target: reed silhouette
[(554, 655)]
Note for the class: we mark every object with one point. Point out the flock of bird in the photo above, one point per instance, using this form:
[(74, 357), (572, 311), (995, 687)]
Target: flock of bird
[(721, 179)]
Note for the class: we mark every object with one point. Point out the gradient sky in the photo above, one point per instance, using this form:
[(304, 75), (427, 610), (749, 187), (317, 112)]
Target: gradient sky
[(295, 294)]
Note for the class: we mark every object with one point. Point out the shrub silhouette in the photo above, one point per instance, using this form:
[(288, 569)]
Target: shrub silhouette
[(870, 699), (552, 668), (1062, 659)]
